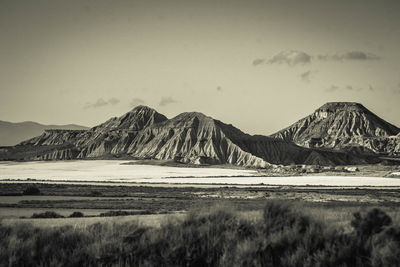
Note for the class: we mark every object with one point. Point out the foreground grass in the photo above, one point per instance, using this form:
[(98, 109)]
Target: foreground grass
[(220, 236)]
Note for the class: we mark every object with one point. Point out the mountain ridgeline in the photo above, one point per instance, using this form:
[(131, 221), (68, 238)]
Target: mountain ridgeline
[(337, 133), (12, 133)]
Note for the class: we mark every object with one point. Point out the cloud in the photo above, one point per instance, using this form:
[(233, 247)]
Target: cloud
[(292, 58), (101, 103), (349, 56), (332, 88), (258, 61), (166, 101), (136, 102), (352, 88), (306, 76), (295, 57), (113, 101)]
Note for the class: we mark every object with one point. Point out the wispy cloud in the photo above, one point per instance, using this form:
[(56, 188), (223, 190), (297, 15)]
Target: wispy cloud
[(258, 61), (166, 101), (136, 102), (296, 57), (101, 103), (352, 55), (334, 88), (113, 101), (306, 76), (291, 58)]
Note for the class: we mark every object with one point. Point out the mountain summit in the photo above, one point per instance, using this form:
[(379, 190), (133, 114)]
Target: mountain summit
[(341, 125)]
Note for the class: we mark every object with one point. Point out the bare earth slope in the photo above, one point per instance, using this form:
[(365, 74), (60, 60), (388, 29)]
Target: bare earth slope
[(344, 126), (195, 138)]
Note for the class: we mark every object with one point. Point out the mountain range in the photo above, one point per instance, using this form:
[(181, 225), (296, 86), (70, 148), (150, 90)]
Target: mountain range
[(12, 133), (338, 133)]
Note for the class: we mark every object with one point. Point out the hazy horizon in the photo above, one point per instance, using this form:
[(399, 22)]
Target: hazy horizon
[(259, 65)]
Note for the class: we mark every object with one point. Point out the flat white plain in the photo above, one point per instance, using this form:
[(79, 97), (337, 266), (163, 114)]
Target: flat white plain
[(115, 171)]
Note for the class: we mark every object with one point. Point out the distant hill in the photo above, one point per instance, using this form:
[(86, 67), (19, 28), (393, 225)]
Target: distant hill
[(13, 133), (344, 126), (190, 137)]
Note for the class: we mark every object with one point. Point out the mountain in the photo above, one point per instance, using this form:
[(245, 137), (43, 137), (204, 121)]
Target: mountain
[(13, 133), (344, 126), (95, 142), (190, 137)]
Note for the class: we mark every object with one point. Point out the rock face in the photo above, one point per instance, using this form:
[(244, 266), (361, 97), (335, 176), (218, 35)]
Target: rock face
[(55, 137), (344, 126), (190, 137)]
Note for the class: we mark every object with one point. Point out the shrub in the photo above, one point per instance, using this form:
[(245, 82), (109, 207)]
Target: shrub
[(95, 193), (386, 247), (76, 214), (31, 190), (371, 223), (47, 214), (123, 213)]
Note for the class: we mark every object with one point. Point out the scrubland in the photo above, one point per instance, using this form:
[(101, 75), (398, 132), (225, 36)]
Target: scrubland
[(146, 225), (283, 235)]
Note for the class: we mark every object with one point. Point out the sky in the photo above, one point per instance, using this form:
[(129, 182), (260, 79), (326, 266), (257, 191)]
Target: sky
[(259, 65)]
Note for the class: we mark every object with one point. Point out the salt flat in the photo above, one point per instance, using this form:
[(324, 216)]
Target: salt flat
[(289, 180), (106, 170), (116, 171)]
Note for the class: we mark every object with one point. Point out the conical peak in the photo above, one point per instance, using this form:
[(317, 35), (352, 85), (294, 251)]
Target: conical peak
[(342, 106), (147, 112), (142, 108), (191, 115)]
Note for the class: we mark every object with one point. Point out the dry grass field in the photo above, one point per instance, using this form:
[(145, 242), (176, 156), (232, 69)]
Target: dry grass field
[(332, 204)]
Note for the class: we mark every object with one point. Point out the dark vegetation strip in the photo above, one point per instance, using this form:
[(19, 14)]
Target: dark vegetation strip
[(78, 214), (18, 189), (283, 236)]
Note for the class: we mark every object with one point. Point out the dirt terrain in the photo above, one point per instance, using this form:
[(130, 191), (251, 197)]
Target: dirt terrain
[(335, 204)]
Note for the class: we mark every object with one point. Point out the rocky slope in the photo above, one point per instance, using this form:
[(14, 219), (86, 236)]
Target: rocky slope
[(100, 140), (344, 126), (195, 138)]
